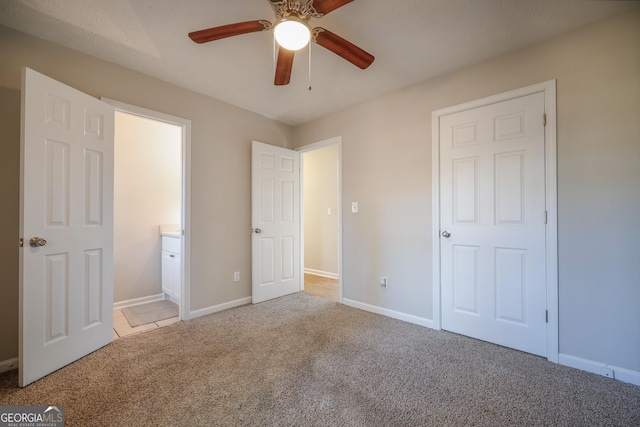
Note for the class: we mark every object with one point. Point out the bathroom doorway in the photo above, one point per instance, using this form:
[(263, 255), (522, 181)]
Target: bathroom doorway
[(150, 229)]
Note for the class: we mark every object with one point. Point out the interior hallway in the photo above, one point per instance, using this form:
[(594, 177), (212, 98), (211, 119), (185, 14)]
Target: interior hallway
[(322, 287)]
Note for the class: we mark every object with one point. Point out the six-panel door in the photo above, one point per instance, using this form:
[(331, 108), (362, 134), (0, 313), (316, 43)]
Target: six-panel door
[(493, 208), (66, 285), (275, 213)]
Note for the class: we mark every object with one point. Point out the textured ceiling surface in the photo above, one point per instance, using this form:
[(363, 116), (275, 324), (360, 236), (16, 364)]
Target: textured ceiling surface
[(412, 40)]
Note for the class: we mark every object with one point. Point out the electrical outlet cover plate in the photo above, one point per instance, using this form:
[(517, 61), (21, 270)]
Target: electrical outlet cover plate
[(607, 372)]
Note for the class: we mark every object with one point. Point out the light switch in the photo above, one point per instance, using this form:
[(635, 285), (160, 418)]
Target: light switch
[(354, 207), (329, 211)]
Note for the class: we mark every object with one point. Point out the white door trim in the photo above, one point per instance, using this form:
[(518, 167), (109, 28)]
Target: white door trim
[(549, 90), (185, 292), (337, 140)]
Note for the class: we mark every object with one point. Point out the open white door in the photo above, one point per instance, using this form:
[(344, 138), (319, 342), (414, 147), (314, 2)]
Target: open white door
[(66, 214), (275, 216)]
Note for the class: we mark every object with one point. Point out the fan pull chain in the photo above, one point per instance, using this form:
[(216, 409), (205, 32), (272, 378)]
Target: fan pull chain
[(274, 54), (309, 66)]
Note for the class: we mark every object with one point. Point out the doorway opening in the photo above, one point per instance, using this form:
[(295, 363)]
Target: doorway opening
[(321, 214), (151, 194)]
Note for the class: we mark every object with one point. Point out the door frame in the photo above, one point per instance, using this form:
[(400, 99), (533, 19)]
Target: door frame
[(337, 140), (548, 88), (185, 211)]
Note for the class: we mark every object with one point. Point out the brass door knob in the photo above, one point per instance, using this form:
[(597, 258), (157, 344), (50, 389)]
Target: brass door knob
[(36, 242)]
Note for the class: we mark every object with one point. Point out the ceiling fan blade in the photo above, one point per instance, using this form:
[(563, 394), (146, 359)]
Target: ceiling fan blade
[(217, 33), (284, 66), (342, 47), (325, 6)]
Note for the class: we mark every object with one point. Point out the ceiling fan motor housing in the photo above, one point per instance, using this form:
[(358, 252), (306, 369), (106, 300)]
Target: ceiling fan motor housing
[(302, 9)]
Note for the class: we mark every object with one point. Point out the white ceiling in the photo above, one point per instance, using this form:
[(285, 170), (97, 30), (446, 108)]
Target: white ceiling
[(412, 40)]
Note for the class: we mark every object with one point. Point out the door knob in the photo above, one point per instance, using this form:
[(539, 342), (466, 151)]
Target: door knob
[(258, 230), (445, 233), (36, 242)]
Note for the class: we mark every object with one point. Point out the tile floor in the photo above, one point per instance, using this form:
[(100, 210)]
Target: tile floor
[(121, 327)]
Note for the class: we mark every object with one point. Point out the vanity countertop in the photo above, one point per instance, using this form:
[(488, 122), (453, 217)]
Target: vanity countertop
[(170, 230), (175, 234)]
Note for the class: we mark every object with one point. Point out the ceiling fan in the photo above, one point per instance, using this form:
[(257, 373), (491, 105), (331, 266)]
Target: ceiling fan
[(293, 32)]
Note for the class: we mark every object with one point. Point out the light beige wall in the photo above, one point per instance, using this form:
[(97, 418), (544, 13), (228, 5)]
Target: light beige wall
[(220, 163), (147, 193), (386, 155), (321, 194)]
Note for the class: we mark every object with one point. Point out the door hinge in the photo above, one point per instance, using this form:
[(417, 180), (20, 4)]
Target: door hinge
[(544, 119), (545, 216), (546, 316), (21, 242)]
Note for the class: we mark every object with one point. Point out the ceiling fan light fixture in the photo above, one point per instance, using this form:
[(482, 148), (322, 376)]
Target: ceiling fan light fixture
[(292, 33)]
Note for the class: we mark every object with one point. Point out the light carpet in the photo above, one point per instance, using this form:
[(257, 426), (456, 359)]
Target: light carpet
[(304, 361), (150, 312)]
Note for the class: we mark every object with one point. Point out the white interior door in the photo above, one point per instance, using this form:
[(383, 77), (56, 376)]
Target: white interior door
[(275, 216), (492, 241), (66, 280)]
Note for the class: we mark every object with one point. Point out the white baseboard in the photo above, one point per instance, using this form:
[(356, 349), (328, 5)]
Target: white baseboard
[(389, 313), (8, 365), (321, 273), (600, 368), (220, 307), (137, 301)]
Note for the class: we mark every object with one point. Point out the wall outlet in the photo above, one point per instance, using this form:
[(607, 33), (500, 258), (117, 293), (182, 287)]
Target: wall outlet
[(236, 276), (607, 372), (383, 282)]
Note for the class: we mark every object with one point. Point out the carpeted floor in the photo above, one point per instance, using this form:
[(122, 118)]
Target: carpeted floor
[(304, 361)]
